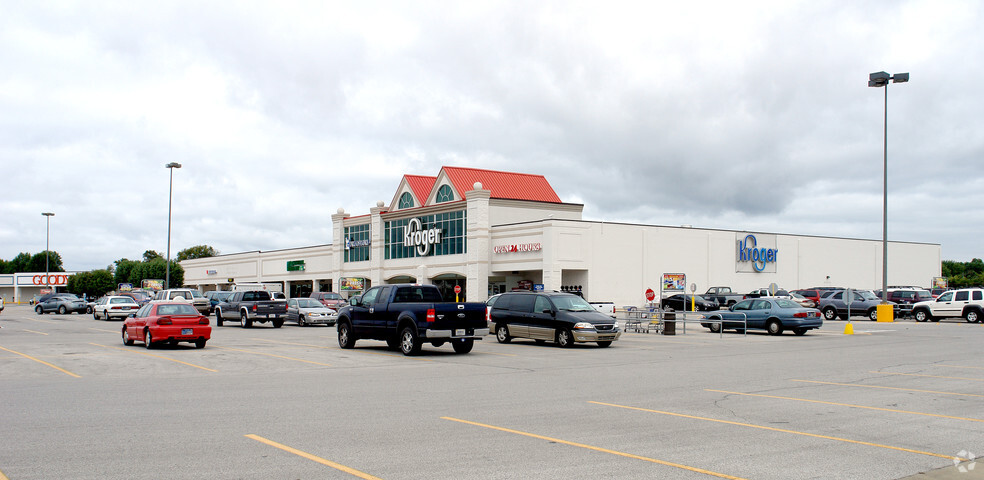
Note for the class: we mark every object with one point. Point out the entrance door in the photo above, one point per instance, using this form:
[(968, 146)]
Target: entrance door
[(447, 288)]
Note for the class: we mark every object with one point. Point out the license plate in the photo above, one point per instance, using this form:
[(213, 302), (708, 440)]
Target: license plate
[(186, 331), (459, 333)]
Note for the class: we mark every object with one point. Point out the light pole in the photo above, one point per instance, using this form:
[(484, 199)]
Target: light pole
[(167, 269), (47, 231), (880, 79)]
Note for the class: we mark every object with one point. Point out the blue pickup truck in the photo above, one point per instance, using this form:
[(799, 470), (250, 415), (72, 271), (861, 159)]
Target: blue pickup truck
[(408, 315)]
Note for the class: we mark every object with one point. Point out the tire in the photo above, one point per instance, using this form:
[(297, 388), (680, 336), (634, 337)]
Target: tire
[(873, 314), (605, 344), (278, 322), (345, 338), (972, 316), (94, 316), (463, 346), (714, 327), (62, 310), (921, 315), (829, 313), (800, 331), (409, 342), (774, 327), (126, 338), (200, 343), (244, 320), (731, 303), (300, 321), (218, 317), (502, 333), (39, 310), (148, 340), (565, 339)]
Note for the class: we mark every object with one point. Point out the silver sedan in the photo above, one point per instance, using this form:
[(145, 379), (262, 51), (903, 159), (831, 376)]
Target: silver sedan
[(308, 311)]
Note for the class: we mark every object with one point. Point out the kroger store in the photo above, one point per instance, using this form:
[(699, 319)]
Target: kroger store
[(488, 232)]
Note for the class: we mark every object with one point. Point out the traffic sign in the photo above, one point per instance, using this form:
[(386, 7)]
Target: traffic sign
[(650, 295), (457, 289)]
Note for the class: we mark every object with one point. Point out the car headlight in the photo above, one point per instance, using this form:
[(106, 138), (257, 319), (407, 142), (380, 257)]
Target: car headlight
[(583, 326)]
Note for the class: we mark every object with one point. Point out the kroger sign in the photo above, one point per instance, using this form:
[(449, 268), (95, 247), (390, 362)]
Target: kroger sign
[(415, 236), (755, 255)]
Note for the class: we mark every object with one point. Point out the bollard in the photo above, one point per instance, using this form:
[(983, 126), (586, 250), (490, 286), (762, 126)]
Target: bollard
[(886, 312)]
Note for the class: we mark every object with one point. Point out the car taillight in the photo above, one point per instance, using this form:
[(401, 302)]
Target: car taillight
[(431, 316), (254, 307), (164, 321), (801, 314), (203, 320)]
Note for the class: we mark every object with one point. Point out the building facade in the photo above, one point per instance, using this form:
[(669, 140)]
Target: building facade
[(22, 287), (488, 232)]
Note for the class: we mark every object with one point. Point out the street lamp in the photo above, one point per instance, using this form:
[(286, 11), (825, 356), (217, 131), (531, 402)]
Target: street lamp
[(47, 230), (167, 269), (880, 79)]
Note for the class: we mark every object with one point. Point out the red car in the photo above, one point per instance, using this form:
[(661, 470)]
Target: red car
[(167, 322), (330, 299)]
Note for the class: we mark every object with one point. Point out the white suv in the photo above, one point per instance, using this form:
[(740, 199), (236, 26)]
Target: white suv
[(193, 297), (965, 302)]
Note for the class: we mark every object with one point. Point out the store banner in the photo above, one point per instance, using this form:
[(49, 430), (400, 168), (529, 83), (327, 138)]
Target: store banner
[(755, 253)]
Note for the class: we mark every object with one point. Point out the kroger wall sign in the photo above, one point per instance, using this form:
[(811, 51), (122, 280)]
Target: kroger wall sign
[(415, 236), (756, 253)]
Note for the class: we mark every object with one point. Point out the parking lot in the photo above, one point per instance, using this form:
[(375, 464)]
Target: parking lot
[(891, 401)]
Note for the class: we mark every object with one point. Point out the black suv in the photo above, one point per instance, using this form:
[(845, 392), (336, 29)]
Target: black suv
[(555, 317)]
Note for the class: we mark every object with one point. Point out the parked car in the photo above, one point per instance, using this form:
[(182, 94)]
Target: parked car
[(683, 302), (60, 302), (138, 296), (189, 295), (167, 322), (330, 299), (724, 296), (764, 292), (1, 304), (556, 317), (608, 308), (308, 311), (216, 297), (803, 301), (110, 306), (811, 293), (833, 304), (965, 302), (905, 298), (251, 306), (488, 310), (771, 314)]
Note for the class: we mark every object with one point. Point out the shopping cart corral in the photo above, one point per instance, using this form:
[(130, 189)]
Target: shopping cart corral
[(665, 322)]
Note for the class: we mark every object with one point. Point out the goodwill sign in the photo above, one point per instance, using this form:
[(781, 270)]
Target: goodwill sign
[(756, 253)]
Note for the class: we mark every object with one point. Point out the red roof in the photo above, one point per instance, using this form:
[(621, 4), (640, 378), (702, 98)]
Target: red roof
[(506, 185), (421, 186)]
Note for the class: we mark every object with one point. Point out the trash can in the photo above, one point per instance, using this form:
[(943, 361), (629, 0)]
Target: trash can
[(669, 323)]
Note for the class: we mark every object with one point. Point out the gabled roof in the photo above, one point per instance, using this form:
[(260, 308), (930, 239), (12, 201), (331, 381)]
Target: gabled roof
[(504, 185), (421, 186)]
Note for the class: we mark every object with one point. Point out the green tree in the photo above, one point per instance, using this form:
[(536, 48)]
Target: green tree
[(198, 251), (21, 263), (91, 284), (54, 260), (156, 270), (123, 269), (151, 255)]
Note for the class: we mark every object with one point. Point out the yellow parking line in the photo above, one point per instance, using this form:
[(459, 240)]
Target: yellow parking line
[(931, 376), (130, 350), (597, 449), (827, 437), (104, 330), (887, 388), (32, 331), (3, 477), (333, 348), (275, 356), (37, 320), (960, 366), (847, 405), (308, 456), (41, 362)]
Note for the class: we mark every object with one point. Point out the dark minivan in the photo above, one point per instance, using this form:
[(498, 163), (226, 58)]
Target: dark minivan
[(556, 317)]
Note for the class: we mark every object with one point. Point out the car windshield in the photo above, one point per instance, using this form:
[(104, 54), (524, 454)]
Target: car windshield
[(68, 296), (121, 300), (867, 295), (331, 296), (308, 303), (176, 309), (571, 303), (797, 296), (196, 294), (787, 303)]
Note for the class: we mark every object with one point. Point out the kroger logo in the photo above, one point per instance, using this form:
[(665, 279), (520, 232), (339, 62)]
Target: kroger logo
[(415, 236), (748, 251)]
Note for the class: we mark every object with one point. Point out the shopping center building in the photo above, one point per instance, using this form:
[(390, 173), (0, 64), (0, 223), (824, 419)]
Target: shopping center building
[(489, 231)]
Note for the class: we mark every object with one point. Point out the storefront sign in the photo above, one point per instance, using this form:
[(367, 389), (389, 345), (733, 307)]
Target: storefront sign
[(295, 265), (211, 272), (350, 244), (59, 279), (152, 284), (674, 282), (124, 287), (416, 236), (519, 247), (754, 254), (347, 284)]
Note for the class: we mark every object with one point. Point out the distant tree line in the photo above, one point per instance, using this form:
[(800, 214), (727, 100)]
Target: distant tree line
[(25, 262), (964, 274)]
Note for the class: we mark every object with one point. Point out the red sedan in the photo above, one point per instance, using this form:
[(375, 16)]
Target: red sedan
[(167, 322)]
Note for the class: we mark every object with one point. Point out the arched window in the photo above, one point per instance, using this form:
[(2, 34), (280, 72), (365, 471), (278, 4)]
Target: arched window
[(406, 200), (444, 194)]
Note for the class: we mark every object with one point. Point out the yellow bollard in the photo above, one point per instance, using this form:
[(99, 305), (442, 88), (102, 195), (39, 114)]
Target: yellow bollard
[(886, 312), (848, 329)]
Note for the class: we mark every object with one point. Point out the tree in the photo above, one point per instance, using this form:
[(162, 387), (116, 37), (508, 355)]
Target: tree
[(92, 284), (156, 270), (21, 263), (198, 251), (150, 255), (54, 261), (124, 267)]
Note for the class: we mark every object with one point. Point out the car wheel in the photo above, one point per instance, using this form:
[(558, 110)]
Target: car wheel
[(409, 343), (300, 321), (277, 323), (829, 313), (800, 331), (244, 320), (39, 310), (605, 344), (89, 310), (714, 327), (62, 310), (921, 315), (94, 315), (502, 334), (200, 343), (126, 337), (774, 327), (463, 346), (873, 314), (345, 338), (148, 341), (972, 316), (565, 338), (218, 317)]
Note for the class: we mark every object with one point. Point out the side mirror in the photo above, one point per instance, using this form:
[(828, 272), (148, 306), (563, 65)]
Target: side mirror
[(355, 301)]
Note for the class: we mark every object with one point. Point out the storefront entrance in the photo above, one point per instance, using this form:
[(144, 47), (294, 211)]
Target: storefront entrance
[(446, 284)]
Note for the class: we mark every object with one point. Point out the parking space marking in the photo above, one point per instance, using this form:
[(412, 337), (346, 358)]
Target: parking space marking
[(762, 427), (41, 362), (3, 477), (847, 405), (597, 449), (960, 366), (274, 356), (289, 343), (931, 376), (38, 320), (104, 330), (313, 458), (32, 331), (131, 350), (887, 388)]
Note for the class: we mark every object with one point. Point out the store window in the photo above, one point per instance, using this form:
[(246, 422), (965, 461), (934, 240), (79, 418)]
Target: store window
[(453, 234), (357, 243), (406, 201), (444, 194)]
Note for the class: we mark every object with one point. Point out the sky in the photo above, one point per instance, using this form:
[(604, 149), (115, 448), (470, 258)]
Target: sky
[(749, 116)]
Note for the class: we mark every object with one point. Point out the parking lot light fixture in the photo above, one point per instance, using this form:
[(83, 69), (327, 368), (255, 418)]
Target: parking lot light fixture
[(47, 230), (167, 268), (881, 79)]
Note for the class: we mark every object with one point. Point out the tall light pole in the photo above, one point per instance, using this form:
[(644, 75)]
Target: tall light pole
[(167, 275), (47, 231), (880, 79)]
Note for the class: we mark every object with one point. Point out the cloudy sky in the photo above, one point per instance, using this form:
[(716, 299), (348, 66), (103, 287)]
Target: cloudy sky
[(734, 115)]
